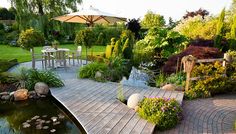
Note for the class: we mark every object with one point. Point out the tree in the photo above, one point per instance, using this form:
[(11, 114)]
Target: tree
[(86, 38), (42, 10), (134, 26), (219, 30), (201, 12), (152, 20), (7, 14), (30, 38), (233, 35)]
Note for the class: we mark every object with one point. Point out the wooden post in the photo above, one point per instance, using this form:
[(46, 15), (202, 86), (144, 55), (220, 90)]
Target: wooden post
[(33, 58), (188, 62), (227, 59)]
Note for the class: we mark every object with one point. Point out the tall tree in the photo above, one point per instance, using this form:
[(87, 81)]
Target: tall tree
[(219, 30), (29, 11), (152, 20)]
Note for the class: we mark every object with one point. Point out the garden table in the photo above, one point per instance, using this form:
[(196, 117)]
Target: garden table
[(49, 55)]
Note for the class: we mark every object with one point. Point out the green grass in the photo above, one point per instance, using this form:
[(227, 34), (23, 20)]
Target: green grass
[(7, 52)]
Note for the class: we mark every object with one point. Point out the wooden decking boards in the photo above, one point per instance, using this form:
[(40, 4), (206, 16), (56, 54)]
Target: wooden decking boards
[(95, 106)]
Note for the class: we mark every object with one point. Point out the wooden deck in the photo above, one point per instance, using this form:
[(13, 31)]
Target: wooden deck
[(95, 106)]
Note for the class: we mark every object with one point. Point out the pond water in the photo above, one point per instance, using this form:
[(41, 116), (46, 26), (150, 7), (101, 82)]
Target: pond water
[(40, 116)]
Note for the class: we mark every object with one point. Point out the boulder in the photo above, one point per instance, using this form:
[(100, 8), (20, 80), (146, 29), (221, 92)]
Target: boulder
[(41, 88), (169, 87), (21, 94), (98, 75), (134, 99), (6, 97)]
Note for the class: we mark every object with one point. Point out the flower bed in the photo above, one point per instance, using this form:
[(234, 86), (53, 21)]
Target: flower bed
[(163, 112)]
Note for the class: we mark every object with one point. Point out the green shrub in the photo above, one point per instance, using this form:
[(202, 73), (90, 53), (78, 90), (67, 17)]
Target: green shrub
[(160, 80), (212, 81), (117, 48), (127, 49), (176, 78), (7, 64), (90, 70), (48, 77), (164, 113), (30, 38)]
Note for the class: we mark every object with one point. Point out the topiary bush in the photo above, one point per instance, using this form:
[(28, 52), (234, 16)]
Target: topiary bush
[(164, 113), (127, 49)]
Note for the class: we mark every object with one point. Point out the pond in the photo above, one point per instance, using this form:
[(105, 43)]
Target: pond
[(35, 117)]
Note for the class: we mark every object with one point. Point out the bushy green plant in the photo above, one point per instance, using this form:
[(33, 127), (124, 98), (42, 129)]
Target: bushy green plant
[(108, 51), (127, 34), (219, 30), (212, 81), (176, 78), (30, 38), (90, 70), (197, 28), (164, 113), (48, 77)]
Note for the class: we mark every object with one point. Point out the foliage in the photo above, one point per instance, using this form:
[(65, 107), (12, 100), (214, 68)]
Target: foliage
[(86, 38), (48, 77), (219, 30), (116, 69), (5, 65), (120, 93), (117, 48), (233, 35), (152, 20), (177, 79), (7, 14), (108, 51), (22, 77), (127, 34), (201, 12), (90, 70), (159, 42), (134, 26), (127, 49), (164, 113), (30, 38), (199, 52), (197, 28), (212, 81)]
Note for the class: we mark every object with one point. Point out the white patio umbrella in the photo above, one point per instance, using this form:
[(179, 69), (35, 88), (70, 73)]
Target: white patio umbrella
[(90, 16)]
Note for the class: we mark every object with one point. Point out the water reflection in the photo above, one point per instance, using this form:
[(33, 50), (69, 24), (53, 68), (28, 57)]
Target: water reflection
[(15, 117)]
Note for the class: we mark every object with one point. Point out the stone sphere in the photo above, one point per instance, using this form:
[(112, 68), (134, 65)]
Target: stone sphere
[(134, 99), (41, 88), (21, 94)]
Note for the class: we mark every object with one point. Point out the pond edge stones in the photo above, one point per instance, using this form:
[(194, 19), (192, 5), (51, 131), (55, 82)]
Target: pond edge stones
[(41, 88)]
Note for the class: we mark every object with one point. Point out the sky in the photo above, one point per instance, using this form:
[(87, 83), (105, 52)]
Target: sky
[(137, 8)]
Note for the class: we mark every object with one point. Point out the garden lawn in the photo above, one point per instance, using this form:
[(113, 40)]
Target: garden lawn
[(7, 52)]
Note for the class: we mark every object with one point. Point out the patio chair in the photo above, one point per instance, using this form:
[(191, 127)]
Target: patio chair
[(76, 54), (46, 47), (38, 57), (60, 58)]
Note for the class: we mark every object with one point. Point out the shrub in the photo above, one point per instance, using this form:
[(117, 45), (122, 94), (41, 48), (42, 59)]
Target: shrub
[(108, 51), (90, 70), (127, 49), (120, 93), (165, 113), (197, 51), (134, 26), (48, 77), (30, 38), (212, 81), (117, 48), (7, 64), (176, 78)]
